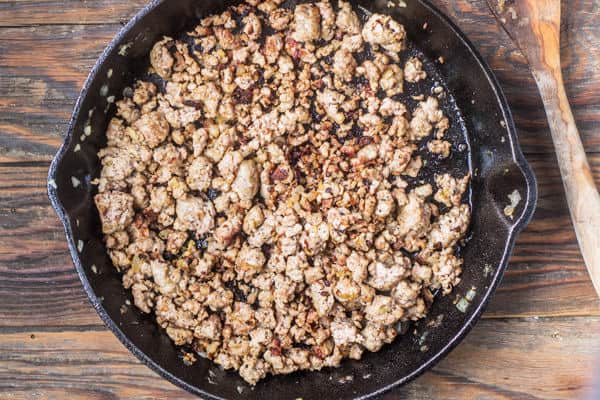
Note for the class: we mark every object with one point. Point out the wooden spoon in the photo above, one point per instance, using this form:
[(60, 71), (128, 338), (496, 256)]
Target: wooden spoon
[(535, 26)]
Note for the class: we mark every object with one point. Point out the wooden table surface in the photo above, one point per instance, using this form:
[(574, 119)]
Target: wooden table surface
[(538, 339)]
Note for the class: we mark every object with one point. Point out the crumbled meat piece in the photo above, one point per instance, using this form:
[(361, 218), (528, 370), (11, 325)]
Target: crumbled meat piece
[(241, 320), (269, 202), (450, 227), (391, 80), (327, 19), (347, 20), (226, 232), (375, 336), (371, 72), (127, 110), (347, 292), (253, 220), (142, 297), (352, 43), (199, 174), (153, 128), (195, 214), (280, 18), (421, 273), (322, 298), (425, 117), (413, 168), (253, 370), (199, 141), (249, 262), (115, 209), (413, 70), (414, 221), (331, 101), (229, 164), (406, 293), (161, 59), (441, 147), (226, 38), (175, 240), (357, 264), (384, 275), (161, 277), (391, 108), (209, 329), (246, 181), (144, 93), (450, 189), (446, 269), (272, 48), (344, 333), (383, 30), (307, 23), (179, 336), (344, 64), (252, 26), (383, 311)]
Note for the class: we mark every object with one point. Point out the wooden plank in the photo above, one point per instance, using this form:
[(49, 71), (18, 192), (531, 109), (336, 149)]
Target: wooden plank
[(500, 359), (42, 12), (515, 359), (580, 52), (39, 92), (38, 281), (38, 284)]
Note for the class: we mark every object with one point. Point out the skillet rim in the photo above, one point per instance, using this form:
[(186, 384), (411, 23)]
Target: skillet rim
[(518, 225)]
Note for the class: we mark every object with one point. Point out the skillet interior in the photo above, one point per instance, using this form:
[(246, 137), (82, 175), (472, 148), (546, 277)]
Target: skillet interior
[(498, 167)]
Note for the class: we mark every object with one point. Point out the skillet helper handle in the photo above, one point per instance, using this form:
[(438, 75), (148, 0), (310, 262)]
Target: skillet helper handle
[(582, 195)]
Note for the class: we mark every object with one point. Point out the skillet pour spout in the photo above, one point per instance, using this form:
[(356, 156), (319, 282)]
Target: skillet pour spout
[(503, 200)]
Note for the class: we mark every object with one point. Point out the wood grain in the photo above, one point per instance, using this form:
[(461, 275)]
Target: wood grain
[(67, 12), (92, 364), (39, 92)]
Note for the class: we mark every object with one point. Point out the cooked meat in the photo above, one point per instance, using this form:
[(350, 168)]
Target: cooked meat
[(450, 189), (195, 214), (347, 20), (116, 211), (262, 204), (307, 23), (344, 64), (383, 30), (441, 147), (153, 129), (413, 71), (161, 59)]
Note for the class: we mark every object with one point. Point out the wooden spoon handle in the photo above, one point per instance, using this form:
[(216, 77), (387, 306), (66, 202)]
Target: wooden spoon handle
[(581, 193), (535, 26)]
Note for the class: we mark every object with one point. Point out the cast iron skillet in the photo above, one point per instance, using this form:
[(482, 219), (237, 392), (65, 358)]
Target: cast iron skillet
[(478, 110)]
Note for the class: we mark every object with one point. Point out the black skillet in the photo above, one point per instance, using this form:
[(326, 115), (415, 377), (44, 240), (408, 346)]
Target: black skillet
[(480, 120)]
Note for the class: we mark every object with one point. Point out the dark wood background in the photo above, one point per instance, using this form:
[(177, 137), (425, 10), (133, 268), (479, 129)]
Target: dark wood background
[(538, 339)]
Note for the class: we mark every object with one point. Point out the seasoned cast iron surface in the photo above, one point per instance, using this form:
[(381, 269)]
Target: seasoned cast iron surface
[(484, 141)]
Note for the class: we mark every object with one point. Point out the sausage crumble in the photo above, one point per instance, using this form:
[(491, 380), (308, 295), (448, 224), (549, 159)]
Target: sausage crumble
[(262, 202)]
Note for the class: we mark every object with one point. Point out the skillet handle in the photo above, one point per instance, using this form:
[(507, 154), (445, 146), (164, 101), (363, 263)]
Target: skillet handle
[(531, 192)]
